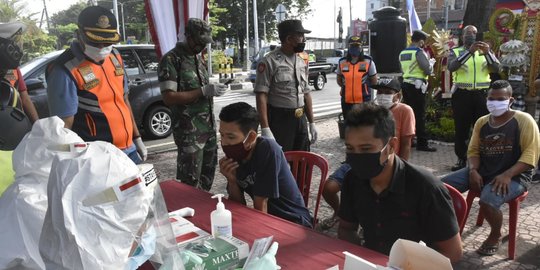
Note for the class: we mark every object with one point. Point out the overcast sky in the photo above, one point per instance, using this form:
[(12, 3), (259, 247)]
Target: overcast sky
[(321, 21)]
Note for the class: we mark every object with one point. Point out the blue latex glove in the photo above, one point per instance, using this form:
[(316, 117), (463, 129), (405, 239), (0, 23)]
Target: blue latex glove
[(144, 251)]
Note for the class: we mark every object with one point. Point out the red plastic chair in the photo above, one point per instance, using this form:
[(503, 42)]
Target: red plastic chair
[(513, 206), (460, 205), (302, 163)]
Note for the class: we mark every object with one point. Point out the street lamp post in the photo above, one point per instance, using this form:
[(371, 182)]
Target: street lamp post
[(115, 9), (115, 12), (247, 34), (255, 27), (123, 24)]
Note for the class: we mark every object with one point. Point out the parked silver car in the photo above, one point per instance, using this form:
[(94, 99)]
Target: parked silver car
[(152, 116)]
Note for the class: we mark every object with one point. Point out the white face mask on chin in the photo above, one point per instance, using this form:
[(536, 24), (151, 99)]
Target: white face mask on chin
[(97, 54)]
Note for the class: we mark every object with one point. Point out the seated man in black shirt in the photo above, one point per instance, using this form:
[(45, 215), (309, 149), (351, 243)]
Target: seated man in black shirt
[(257, 166), (389, 197)]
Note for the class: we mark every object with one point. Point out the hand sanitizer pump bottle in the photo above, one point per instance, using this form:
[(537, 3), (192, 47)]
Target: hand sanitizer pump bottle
[(221, 219)]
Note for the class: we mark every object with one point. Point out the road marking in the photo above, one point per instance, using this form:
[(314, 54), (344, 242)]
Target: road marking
[(231, 97), (326, 104)]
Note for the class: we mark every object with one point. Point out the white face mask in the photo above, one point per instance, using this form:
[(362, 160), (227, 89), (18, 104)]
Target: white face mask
[(97, 54), (498, 107), (385, 100)]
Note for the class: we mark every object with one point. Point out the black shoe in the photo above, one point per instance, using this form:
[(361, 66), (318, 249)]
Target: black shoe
[(459, 165), (426, 148)]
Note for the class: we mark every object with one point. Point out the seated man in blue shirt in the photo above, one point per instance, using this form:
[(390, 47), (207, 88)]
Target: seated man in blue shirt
[(389, 197), (257, 166)]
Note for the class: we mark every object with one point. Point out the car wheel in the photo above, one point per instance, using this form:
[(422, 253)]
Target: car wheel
[(319, 82), (158, 122)]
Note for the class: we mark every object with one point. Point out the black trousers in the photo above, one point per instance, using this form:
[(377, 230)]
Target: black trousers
[(290, 132), (345, 107), (414, 98), (468, 106)]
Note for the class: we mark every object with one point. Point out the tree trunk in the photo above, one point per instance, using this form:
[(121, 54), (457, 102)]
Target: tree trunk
[(478, 13)]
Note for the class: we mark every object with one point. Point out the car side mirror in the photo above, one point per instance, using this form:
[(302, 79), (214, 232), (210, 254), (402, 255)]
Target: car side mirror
[(34, 83)]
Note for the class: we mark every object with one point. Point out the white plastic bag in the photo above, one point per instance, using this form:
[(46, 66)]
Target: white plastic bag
[(97, 207), (24, 203)]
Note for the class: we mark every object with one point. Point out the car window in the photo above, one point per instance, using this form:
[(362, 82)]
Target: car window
[(149, 59), (130, 62), (40, 73)]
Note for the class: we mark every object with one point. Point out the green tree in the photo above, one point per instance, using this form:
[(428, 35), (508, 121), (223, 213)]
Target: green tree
[(64, 24), (69, 15), (234, 20), (65, 34), (34, 41), (11, 10)]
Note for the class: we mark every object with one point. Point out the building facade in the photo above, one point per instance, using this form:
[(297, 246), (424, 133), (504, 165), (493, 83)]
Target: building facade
[(372, 5)]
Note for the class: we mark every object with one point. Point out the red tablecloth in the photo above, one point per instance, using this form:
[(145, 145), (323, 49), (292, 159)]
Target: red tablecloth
[(299, 247)]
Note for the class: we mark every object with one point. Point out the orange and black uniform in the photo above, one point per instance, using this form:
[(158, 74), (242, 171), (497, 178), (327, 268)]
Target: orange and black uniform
[(101, 112), (355, 76)]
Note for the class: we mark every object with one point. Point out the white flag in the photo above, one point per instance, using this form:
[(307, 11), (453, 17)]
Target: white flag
[(167, 19), (414, 21)]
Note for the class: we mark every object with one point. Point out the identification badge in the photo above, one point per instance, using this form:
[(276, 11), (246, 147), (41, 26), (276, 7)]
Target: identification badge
[(345, 68), (118, 70), (90, 79), (362, 67)]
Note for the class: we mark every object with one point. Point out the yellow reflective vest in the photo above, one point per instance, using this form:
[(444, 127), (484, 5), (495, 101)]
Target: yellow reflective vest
[(474, 74), (409, 65)]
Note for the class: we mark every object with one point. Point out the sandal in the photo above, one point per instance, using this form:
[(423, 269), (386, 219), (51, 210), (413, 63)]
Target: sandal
[(487, 249), (328, 223)]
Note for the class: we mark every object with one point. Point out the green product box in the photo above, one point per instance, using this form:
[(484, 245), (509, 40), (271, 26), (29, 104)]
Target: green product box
[(221, 253)]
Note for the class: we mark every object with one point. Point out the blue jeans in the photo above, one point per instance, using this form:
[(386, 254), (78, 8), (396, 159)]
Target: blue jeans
[(131, 152), (339, 174), (460, 181)]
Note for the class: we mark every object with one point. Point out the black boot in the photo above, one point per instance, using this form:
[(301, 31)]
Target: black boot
[(459, 165)]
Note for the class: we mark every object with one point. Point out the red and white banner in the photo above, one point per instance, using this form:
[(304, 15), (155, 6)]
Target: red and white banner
[(167, 19)]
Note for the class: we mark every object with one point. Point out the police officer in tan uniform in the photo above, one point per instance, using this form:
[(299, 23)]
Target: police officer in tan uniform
[(283, 96)]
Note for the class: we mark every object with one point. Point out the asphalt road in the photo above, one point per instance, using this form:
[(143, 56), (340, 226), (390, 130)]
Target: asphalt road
[(325, 104)]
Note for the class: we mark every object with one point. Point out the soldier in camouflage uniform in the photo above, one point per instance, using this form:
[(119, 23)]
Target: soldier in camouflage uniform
[(186, 90)]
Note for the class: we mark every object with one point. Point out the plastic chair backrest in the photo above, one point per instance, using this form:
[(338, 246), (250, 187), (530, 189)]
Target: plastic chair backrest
[(460, 205), (302, 163)]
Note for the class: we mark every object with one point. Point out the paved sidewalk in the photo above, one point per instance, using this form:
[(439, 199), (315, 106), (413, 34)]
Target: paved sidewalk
[(332, 148)]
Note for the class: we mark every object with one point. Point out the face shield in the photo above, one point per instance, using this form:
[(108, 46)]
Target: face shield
[(10, 51)]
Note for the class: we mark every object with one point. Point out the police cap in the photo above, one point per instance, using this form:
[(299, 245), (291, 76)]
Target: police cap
[(98, 25), (419, 35), (355, 40), (288, 27), (199, 29)]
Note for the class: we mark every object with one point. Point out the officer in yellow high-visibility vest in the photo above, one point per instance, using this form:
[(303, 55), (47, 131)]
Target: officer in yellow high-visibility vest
[(416, 67), (470, 65)]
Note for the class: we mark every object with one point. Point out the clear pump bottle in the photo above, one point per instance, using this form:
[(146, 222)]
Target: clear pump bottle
[(221, 219)]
